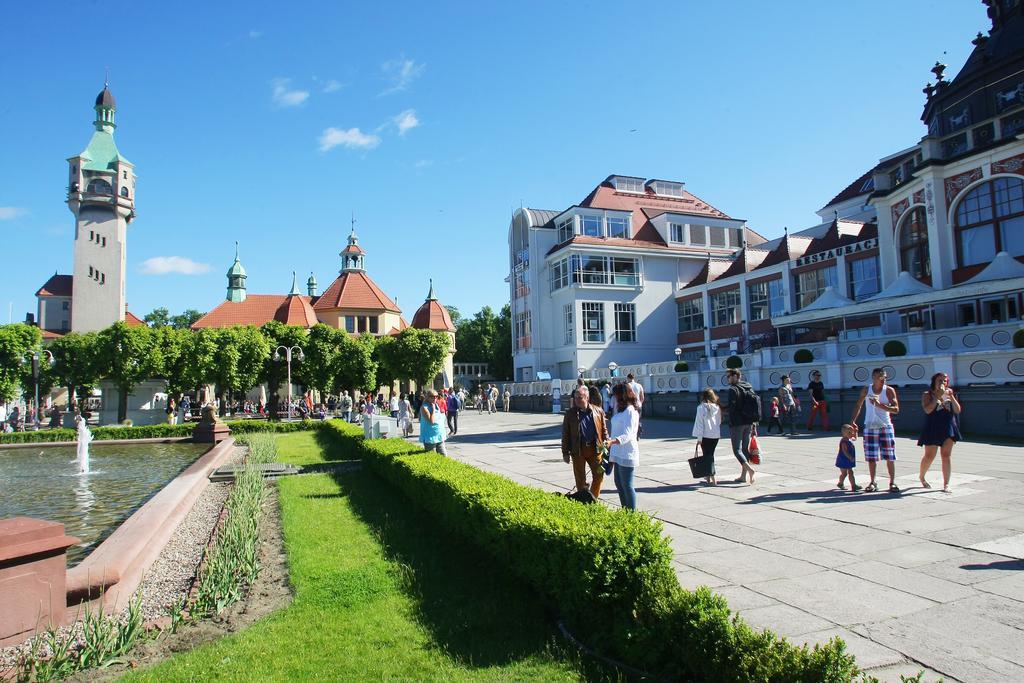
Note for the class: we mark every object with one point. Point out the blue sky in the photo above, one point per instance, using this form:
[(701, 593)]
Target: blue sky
[(271, 123)]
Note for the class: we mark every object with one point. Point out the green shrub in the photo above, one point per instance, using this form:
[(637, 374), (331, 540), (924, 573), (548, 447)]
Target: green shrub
[(609, 573), (682, 366), (894, 347), (1018, 339), (734, 362), (160, 431), (803, 356)]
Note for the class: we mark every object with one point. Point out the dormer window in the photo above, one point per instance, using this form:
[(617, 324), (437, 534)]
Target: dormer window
[(591, 225), (665, 188), (623, 184), (618, 226)]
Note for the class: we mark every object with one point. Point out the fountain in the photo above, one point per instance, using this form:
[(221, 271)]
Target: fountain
[(84, 439)]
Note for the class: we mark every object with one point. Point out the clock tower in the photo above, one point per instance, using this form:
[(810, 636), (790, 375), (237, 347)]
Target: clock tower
[(101, 195)]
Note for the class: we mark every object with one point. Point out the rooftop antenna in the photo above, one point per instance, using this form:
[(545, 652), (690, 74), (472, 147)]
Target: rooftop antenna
[(106, 78)]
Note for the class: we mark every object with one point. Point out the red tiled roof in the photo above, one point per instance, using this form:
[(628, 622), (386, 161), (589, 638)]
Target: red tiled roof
[(258, 309), (711, 271), (637, 243), (355, 290), (401, 326), (838, 235), (433, 316), (353, 249), (133, 320), (791, 247), (745, 261), (857, 187), (57, 285), (50, 334)]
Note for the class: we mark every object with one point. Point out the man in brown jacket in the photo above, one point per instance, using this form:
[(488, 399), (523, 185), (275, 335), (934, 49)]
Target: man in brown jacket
[(583, 428)]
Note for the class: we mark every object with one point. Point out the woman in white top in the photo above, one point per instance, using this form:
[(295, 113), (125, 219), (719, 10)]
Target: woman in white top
[(404, 415), (707, 427), (624, 450)]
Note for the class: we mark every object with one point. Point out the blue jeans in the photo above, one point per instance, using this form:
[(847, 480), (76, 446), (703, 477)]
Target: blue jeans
[(624, 485)]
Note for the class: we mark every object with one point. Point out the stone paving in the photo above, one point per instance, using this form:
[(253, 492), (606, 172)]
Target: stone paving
[(911, 581)]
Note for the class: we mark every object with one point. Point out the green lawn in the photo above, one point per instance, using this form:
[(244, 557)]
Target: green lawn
[(310, 448), (381, 594)]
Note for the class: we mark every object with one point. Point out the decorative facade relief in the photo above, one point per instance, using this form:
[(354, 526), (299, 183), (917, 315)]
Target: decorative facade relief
[(1014, 164), (954, 184), (897, 210)]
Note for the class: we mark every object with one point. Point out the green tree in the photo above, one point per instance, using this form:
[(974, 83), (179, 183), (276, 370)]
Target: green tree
[(275, 373), (475, 337), (16, 342), (158, 317), (356, 368), (455, 314), (320, 365), (126, 356), (388, 369), (183, 364), (186, 319), (76, 363), (500, 357), (239, 361), (420, 354)]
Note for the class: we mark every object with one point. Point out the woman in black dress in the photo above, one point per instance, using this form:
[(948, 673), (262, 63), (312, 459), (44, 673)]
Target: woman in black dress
[(940, 430)]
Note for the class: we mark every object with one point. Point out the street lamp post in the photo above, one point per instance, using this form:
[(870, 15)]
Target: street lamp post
[(581, 370), (678, 352), (611, 368), (287, 354), (34, 359)]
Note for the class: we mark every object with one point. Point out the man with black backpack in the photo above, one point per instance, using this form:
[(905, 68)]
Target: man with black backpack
[(744, 410)]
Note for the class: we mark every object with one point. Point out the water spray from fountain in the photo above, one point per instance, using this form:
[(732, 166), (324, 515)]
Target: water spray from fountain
[(84, 439)]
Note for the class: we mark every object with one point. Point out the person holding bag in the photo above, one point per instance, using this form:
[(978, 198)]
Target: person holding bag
[(431, 424), (707, 426)]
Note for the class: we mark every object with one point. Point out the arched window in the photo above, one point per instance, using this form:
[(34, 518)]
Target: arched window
[(914, 245), (990, 219), (99, 186), (124, 191)]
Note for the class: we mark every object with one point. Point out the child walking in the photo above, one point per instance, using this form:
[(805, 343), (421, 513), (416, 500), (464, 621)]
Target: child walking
[(773, 415), (846, 460)]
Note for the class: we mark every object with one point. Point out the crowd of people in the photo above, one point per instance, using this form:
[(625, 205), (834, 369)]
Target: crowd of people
[(602, 429)]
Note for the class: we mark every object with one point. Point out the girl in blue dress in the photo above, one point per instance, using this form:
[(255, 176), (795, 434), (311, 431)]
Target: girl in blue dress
[(940, 430), (846, 460)]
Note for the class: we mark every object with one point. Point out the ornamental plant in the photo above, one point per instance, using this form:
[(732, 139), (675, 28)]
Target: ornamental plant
[(894, 347), (1018, 339), (682, 366), (734, 362), (803, 356)]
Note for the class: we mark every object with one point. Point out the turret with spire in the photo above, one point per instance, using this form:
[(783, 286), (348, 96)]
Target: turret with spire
[(352, 256), (236, 280), (311, 285)]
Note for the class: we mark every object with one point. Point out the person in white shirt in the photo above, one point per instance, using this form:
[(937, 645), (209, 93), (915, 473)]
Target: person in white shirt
[(638, 389), (624, 450), (707, 426), (393, 405)]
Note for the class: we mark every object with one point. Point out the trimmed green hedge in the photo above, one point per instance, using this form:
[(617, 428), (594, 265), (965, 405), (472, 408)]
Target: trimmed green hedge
[(803, 356), (893, 348), (162, 431), (734, 362), (609, 572), (1018, 339)]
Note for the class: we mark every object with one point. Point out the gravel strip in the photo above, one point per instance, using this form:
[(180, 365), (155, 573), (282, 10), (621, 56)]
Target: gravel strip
[(169, 578)]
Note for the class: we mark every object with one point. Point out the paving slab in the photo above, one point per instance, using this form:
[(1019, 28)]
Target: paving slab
[(912, 581)]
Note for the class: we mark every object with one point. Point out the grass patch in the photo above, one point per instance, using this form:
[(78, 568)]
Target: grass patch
[(381, 593), (314, 447)]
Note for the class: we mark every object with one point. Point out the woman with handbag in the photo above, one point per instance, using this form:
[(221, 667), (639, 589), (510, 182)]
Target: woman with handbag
[(940, 430), (707, 427)]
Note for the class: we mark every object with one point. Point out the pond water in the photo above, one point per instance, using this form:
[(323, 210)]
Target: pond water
[(43, 482)]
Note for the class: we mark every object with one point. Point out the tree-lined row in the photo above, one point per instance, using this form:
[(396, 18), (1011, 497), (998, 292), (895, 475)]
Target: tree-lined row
[(233, 359)]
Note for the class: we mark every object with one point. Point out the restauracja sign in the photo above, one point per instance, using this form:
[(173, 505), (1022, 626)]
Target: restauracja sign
[(838, 251)]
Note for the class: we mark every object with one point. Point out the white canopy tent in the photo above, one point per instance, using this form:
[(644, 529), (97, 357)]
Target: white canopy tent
[(1005, 275)]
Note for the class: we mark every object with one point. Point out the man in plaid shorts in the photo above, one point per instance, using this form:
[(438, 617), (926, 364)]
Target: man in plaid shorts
[(879, 439)]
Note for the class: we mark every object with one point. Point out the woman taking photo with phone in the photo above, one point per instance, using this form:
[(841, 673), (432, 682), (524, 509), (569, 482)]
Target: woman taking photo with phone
[(624, 450), (940, 430)]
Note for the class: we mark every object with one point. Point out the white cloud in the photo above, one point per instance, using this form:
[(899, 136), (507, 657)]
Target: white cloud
[(165, 265), (9, 213), (423, 163), (406, 121), (351, 138), (255, 34), (400, 73), (333, 85), (283, 96)]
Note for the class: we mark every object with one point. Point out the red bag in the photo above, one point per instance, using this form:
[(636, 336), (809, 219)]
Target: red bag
[(754, 449)]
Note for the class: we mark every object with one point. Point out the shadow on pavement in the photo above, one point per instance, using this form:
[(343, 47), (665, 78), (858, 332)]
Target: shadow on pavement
[(1011, 565)]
